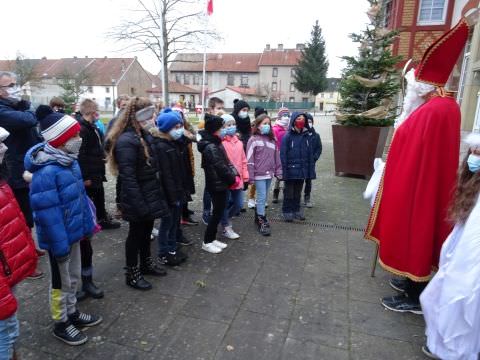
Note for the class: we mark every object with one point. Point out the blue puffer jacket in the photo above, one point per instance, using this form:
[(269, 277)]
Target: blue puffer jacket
[(59, 203), (299, 152)]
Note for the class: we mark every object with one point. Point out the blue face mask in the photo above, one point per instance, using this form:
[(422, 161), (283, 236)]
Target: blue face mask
[(223, 132), (176, 133), (473, 162), (265, 129), (232, 130)]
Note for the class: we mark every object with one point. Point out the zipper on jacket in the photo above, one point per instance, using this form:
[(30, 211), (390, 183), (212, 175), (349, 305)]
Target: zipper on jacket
[(6, 267)]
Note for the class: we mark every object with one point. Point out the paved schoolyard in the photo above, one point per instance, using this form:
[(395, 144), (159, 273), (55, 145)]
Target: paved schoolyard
[(303, 293)]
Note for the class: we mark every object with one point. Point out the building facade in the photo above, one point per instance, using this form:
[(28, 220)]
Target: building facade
[(327, 101)]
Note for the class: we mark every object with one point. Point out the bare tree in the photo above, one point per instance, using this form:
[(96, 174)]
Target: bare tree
[(73, 85), (164, 28)]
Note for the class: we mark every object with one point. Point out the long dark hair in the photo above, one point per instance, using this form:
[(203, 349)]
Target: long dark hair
[(256, 126), (466, 193)]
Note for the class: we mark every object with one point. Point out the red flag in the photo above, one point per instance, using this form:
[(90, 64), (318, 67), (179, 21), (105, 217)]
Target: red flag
[(210, 7)]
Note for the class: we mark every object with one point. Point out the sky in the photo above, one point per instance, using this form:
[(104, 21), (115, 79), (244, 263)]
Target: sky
[(67, 28)]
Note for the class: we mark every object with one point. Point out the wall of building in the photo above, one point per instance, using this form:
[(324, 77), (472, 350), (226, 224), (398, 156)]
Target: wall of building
[(215, 80), (135, 81), (327, 101), (283, 79)]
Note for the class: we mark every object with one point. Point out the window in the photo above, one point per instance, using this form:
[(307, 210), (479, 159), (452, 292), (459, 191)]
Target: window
[(274, 86), (305, 100), (132, 91), (178, 78), (291, 99), (186, 79), (274, 72), (330, 95), (322, 95), (230, 80), (432, 12), (292, 87), (387, 19), (244, 80), (90, 89), (292, 72), (196, 79), (107, 90)]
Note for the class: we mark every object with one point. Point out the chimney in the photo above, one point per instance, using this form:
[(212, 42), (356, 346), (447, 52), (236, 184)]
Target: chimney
[(300, 46), (86, 56), (44, 58), (75, 57), (267, 47), (280, 46)]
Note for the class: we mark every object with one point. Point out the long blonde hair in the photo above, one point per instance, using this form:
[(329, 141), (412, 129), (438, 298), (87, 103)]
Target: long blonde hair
[(126, 119)]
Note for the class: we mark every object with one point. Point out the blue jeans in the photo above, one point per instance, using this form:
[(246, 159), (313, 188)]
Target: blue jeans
[(234, 205), (8, 334), (263, 186), (207, 202), (168, 231)]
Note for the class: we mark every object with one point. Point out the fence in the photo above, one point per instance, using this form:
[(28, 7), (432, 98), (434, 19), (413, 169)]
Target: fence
[(275, 105)]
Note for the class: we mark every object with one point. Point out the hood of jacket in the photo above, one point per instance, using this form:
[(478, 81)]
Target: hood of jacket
[(36, 158), (295, 115), (206, 139)]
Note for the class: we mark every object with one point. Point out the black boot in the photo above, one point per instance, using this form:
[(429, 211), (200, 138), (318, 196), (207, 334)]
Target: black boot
[(150, 267), (134, 278), (81, 295), (256, 219), (263, 225), (90, 289), (276, 192)]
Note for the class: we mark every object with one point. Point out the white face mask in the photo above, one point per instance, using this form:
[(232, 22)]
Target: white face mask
[(73, 145), (14, 93), (147, 125), (3, 150), (243, 114)]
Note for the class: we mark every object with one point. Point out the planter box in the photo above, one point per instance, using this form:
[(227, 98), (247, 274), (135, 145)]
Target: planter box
[(356, 147)]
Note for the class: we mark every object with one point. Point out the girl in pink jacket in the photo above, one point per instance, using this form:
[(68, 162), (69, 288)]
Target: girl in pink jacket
[(234, 148)]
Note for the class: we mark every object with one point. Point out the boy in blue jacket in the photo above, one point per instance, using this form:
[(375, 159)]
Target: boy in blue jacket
[(62, 216), (299, 151)]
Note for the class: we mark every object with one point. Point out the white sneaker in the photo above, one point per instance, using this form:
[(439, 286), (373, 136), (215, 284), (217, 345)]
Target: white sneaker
[(219, 244), (251, 203), (230, 234), (211, 248)]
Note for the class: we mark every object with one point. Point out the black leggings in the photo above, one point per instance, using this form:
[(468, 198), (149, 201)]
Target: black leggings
[(138, 241), (86, 253), (219, 201), (97, 194)]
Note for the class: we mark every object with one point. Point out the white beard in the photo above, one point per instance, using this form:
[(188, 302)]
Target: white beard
[(415, 96)]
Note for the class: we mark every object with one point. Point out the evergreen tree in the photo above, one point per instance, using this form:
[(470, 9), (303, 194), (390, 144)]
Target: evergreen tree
[(311, 72), (370, 80)]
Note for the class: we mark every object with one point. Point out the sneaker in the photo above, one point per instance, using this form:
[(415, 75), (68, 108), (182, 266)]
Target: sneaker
[(69, 334), (79, 319), (263, 225), (398, 284), (299, 216), (184, 241), (181, 255), (428, 353), (288, 217), (37, 274), (170, 259), (211, 248), (188, 221), (109, 224), (307, 202), (401, 303), (206, 217), (219, 244), (230, 234), (251, 203)]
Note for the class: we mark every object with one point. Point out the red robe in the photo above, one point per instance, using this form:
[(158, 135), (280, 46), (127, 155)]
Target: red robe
[(409, 217)]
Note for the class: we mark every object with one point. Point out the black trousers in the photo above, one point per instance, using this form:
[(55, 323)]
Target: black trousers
[(414, 289), (219, 201), (138, 241), (23, 199), (308, 188), (97, 194), (292, 194), (86, 256), (118, 189)]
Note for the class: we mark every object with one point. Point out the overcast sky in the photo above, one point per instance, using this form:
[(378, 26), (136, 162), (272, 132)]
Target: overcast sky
[(67, 28)]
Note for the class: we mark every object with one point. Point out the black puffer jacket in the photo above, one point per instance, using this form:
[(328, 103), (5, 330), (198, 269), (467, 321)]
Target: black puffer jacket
[(244, 126), (142, 196), (219, 172), (172, 168), (91, 156), (184, 146)]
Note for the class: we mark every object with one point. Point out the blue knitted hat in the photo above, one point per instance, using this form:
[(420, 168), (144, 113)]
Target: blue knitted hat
[(168, 119)]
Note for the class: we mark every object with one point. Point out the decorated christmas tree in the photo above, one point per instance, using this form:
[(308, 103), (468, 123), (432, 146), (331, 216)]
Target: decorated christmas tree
[(370, 80)]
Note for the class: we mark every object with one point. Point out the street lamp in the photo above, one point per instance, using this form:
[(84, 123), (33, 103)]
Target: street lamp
[(114, 102)]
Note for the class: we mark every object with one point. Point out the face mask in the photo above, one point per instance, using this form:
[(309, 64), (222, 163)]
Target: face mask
[(3, 150), (473, 163), (14, 93), (147, 125), (300, 124), (243, 114), (223, 133), (176, 133), (310, 124), (232, 130), (73, 145), (265, 129)]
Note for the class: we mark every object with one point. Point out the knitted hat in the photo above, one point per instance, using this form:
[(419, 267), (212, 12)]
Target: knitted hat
[(283, 112), (473, 140), (212, 123), (239, 105), (145, 113), (227, 118), (56, 128), (259, 111), (3, 134), (168, 119)]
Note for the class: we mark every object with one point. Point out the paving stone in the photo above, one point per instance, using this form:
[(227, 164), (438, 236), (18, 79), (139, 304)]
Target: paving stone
[(213, 303), (280, 275), (253, 336), (320, 326), (294, 349), (100, 349), (274, 301)]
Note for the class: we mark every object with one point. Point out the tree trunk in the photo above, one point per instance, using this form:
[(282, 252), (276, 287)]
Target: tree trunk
[(166, 94)]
